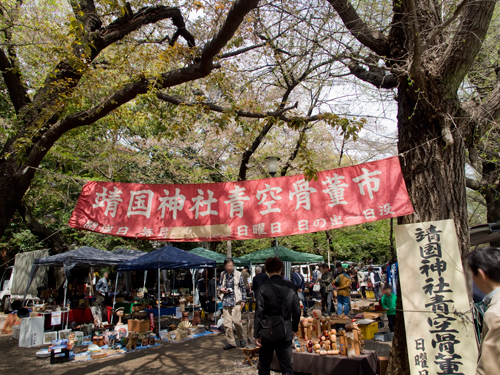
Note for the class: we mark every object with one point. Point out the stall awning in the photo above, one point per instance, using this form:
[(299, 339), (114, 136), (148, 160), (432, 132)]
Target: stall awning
[(285, 254), (84, 256), (167, 257), (219, 258), (484, 233)]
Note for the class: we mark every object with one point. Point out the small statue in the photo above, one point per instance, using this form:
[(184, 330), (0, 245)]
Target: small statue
[(196, 318), (119, 313), (185, 317), (71, 340), (132, 341)]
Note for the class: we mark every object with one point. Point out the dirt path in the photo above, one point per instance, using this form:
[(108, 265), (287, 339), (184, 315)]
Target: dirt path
[(203, 355)]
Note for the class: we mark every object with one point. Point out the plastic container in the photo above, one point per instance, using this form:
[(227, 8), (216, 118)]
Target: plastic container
[(369, 330)]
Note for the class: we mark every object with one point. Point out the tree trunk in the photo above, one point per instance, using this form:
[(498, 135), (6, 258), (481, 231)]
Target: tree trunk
[(15, 181), (491, 195), (433, 165)]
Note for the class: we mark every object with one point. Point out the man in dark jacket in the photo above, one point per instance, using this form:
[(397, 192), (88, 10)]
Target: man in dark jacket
[(298, 281), (276, 297), (258, 279)]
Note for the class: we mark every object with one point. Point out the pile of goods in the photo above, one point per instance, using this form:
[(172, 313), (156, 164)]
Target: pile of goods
[(317, 335)]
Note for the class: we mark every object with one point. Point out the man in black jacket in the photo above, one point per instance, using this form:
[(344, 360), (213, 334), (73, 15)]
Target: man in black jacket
[(271, 301)]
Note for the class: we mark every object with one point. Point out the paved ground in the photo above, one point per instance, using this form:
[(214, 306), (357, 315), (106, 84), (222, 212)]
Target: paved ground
[(200, 356)]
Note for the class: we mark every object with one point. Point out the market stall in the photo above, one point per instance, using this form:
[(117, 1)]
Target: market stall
[(167, 257), (83, 257)]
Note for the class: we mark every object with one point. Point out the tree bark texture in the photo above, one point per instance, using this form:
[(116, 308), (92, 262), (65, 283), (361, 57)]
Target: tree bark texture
[(432, 124)]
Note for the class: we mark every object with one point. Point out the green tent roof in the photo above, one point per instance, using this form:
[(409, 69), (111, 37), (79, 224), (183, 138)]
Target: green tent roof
[(286, 255), (219, 258)]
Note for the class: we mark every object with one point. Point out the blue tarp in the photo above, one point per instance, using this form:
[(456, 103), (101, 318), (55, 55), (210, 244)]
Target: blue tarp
[(167, 257)]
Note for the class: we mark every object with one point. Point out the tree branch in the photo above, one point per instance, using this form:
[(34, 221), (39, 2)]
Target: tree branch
[(374, 76), (370, 38), (241, 51), (17, 92), (417, 47), (488, 113), (295, 151), (175, 77), (41, 231), (247, 154), (473, 184), (466, 43), (279, 114), (438, 30), (85, 12), (235, 16)]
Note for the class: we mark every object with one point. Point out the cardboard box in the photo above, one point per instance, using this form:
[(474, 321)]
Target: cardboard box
[(136, 325), (178, 335), (31, 333)]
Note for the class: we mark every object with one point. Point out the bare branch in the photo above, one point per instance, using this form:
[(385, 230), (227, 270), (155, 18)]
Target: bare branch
[(235, 16), (466, 43), (247, 154), (438, 30), (241, 51), (376, 77), (372, 39), (295, 151), (473, 184), (217, 108)]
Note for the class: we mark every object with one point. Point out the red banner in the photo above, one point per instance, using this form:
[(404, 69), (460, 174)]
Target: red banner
[(243, 210)]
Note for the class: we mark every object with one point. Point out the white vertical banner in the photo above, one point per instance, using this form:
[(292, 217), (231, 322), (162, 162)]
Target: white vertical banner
[(440, 331)]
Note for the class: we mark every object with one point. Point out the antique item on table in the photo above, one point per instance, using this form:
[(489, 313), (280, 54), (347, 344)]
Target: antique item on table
[(48, 337), (132, 341), (185, 324), (351, 351), (64, 334), (119, 313), (196, 318), (96, 313), (98, 355), (98, 340), (93, 348), (122, 331), (342, 343), (71, 341), (310, 346), (182, 304), (185, 317)]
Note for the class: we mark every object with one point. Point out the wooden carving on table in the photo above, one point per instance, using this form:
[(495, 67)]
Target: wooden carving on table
[(185, 317), (132, 341), (196, 318)]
